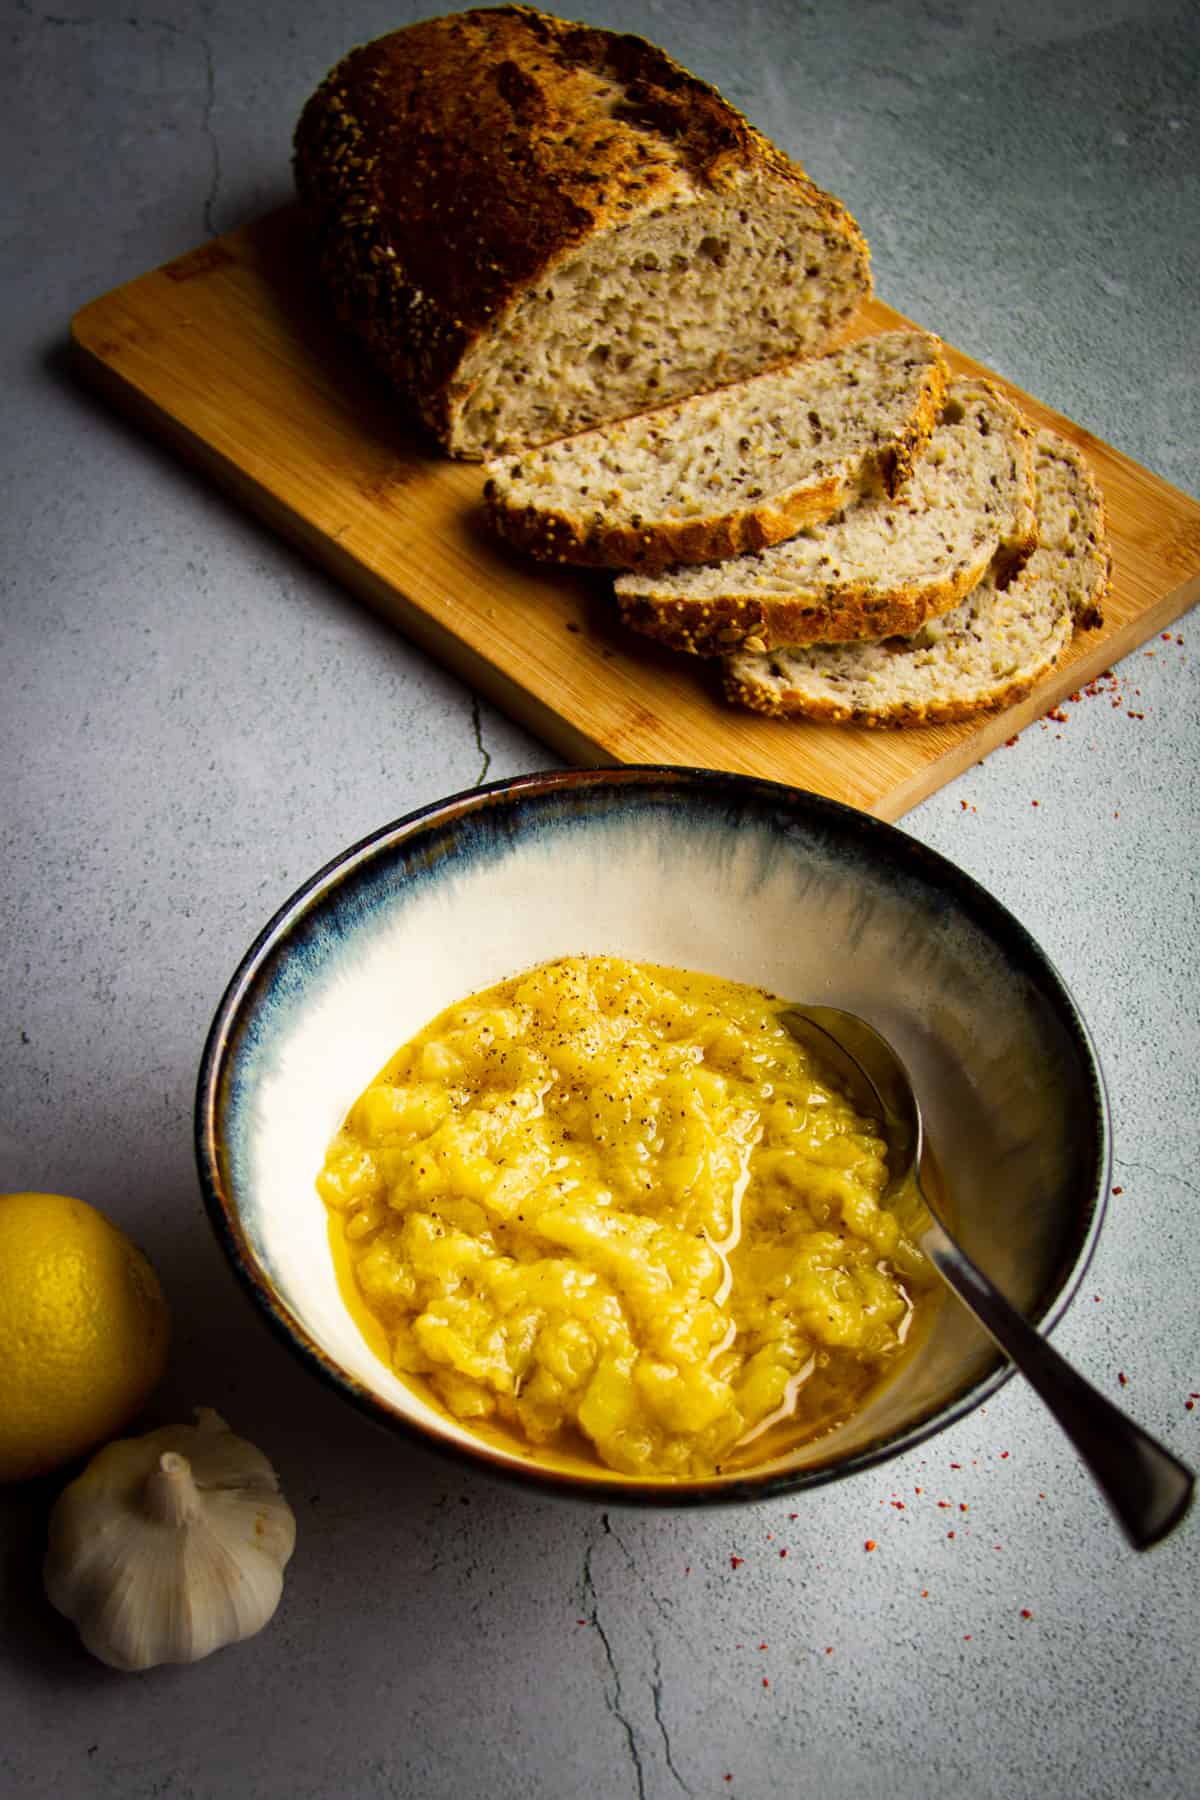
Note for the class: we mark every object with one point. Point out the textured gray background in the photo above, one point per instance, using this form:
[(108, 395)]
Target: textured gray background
[(192, 720)]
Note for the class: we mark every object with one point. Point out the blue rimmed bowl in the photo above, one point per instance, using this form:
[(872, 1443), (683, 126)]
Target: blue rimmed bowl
[(722, 873)]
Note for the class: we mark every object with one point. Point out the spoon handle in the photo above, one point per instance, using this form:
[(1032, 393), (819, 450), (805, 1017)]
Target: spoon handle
[(1146, 1487)]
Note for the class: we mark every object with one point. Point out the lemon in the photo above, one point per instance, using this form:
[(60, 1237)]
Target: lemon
[(83, 1331)]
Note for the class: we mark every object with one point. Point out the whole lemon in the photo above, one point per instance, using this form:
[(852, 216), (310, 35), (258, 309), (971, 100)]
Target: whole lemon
[(83, 1331)]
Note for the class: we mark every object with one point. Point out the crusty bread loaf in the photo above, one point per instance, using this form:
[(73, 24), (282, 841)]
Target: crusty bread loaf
[(985, 654), (535, 226), (883, 565), (730, 470)]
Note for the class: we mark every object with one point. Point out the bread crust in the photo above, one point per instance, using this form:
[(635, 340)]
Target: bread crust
[(899, 717), (446, 167), (551, 535)]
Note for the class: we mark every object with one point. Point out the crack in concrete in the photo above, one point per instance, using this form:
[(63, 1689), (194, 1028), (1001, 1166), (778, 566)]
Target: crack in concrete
[(661, 1607), (485, 753), (206, 112), (71, 21), (656, 1692), (613, 1700), (1159, 1174)]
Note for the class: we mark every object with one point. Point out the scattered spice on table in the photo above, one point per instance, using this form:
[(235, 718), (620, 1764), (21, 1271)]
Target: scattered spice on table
[(870, 1544), (735, 1562), (1025, 1613), (1123, 1378)]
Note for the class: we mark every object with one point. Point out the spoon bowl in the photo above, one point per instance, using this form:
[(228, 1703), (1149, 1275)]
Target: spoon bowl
[(1148, 1489)]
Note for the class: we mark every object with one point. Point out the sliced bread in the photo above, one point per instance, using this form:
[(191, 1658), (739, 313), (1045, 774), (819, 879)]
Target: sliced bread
[(534, 225), (882, 565), (985, 654), (727, 471)]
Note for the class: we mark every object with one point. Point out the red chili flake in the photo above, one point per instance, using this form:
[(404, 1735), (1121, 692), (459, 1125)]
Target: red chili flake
[(729, 1777), (1025, 1613), (956, 1465), (581, 1621), (1009, 742), (766, 1683), (1004, 1456), (1189, 1406), (783, 1553), (951, 1534), (924, 1593), (1035, 803), (966, 1637), (1166, 637), (945, 1505), (1123, 1378), (735, 1562), (1041, 1496), (829, 1649), (899, 1505), (918, 1490), (870, 1544), (793, 1515), (1118, 1190), (762, 1646), (963, 1506), (688, 1570)]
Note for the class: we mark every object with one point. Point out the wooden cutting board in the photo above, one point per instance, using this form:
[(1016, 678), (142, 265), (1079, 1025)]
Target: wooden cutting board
[(229, 352)]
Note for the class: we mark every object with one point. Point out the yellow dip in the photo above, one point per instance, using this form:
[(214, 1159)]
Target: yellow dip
[(613, 1205)]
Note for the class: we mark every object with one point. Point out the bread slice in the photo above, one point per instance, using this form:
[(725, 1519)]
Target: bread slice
[(730, 470), (987, 653), (534, 226), (883, 565)]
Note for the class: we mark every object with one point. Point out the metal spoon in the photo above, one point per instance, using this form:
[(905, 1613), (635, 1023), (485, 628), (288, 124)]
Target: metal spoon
[(1146, 1487)]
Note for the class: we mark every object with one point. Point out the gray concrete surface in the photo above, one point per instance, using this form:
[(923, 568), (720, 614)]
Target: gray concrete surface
[(193, 720)]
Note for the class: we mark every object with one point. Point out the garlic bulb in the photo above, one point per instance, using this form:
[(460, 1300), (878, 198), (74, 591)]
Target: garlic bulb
[(169, 1546)]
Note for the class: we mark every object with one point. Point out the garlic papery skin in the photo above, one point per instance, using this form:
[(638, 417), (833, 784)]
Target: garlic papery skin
[(169, 1546)]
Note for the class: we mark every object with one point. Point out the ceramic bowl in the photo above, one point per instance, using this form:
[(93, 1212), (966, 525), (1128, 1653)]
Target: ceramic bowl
[(721, 873)]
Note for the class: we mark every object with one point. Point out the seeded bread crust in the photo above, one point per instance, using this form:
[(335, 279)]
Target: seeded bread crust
[(986, 654), (759, 604), (446, 168), (896, 381)]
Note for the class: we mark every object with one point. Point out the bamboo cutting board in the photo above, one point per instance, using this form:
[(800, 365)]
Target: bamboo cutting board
[(230, 353)]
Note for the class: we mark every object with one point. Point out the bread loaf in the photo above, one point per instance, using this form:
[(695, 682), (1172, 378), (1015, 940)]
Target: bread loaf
[(883, 565), (731, 470), (535, 226), (985, 654)]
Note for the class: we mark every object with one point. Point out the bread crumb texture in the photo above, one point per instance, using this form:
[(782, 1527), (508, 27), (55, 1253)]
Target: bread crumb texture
[(734, 469), (881, 565)]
